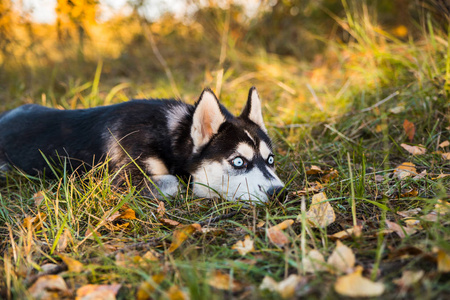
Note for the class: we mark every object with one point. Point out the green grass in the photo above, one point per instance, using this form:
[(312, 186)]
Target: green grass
[(345, 112)]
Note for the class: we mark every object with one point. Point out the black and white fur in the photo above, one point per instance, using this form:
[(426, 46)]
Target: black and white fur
[(226, 155)]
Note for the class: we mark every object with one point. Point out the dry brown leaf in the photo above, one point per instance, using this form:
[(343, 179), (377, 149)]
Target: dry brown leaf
[(330, 175), (409, 213), (38, 198), (444, 144), (48, 268), (410, 193), (175, 293), (405, 169), (413, 223), (354, 285), (342, 259), (34, 223), (223, 281), (276, 234), (286, 288), (314, 262), (443, 261), (245, 246), (347, 233), (414, 150), (441, 176), (98, 291), (47, 287), (64, 240), (146, 288), (72, 264), (320, 213), (313, 170), (408, 279), (169, 222), (181, 234), (312, 188), (400, 230), (161, 210), (410, 129), (151, 255), (446, 155)]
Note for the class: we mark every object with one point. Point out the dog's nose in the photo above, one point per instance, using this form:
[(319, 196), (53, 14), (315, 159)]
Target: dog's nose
[(277, 192)]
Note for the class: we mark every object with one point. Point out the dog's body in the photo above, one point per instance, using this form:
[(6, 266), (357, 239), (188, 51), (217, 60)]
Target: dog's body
[(159, 139)]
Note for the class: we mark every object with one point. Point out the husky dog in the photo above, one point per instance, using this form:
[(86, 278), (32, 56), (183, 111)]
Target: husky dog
[(157, 139)]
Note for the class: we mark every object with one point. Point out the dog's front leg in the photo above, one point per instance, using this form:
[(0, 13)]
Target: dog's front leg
[(168, 186)]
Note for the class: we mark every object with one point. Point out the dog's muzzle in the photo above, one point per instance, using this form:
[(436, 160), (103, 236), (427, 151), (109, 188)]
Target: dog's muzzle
[(277, 192)]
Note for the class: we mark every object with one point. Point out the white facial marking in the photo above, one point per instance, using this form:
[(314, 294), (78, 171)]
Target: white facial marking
[(264, 150), (221, 177), (175, 114), (155, 166), (246, 151), (250, 137)]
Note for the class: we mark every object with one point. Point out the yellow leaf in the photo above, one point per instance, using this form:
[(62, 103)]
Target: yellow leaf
[(223, 281), (180, 235), (276, 234), (72, 264), (405, 169), (329, 176), (342, 259), (314, 262), (444, 144), (442, 207), (47, 284), (175, 293), (414, 150), (354, 285), (443, 261), (286, 288), (34, 223), (146, 288), (400, 31), (245, 246), (410, 193), (320, 213), (98, 291), (151, 255), (128, 214)]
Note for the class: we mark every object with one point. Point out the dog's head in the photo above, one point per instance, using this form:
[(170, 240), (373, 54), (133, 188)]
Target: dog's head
[(233, 155)]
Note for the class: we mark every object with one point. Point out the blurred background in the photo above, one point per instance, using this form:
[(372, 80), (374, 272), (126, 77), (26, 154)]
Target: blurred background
[(311, 60)]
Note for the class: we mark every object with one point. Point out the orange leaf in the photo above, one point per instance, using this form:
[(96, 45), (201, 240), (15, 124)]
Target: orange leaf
[(180, 235), (128, 214), (72, 264), (313, 170), (410, 129), (276, 234), (98, 291)]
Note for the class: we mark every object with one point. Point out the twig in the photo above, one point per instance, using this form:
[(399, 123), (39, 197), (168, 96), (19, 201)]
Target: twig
[(218, 218), (381, 102), (315, 96)]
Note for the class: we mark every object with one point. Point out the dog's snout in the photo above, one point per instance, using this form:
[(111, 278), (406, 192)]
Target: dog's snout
[(277, 192)]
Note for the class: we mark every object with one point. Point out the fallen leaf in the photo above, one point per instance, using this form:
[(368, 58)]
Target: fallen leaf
[(413, 223), (441, 176), (48, 268), (311, 188), (344, 234), (223, 281), (397, 109), (409, 213), (161, 210), (408, 279), (444, 144), (320, 213), (443, 261), (98, 291), (47, 287), (414, 150), (64, 240), (276, 234), (421, 175), (313, 170), (400, 230), (314, 262), (404, 170), (72, 264), (128, 214), (286, 288), (181, 234), (330, 175), (169, 222), (34, 223), (175, 293), (151, 255), (146, 288), (410, 129), (38, 198), (446, 155), (354, 285), (245, 246), (442, 207), (342, 259), (410, 193)]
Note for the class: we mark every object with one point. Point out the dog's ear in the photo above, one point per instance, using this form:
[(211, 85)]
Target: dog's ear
[(207, 119), (252, 110)]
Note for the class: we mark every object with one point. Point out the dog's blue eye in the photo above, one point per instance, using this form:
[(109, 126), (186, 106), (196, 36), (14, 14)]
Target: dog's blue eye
[(271, 160), (238, 162)]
